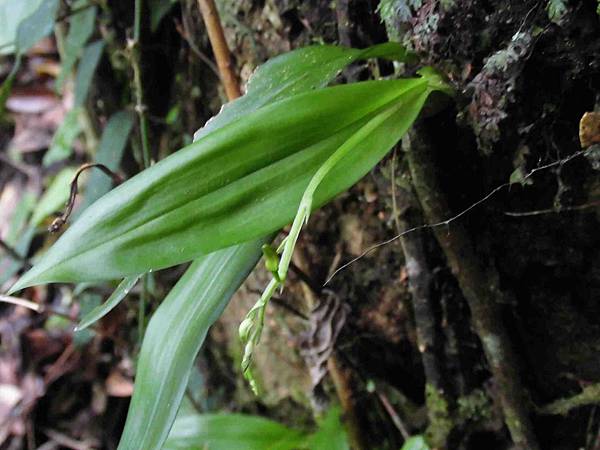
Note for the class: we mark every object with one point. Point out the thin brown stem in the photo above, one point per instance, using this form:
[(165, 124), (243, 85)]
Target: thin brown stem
[(59, 222), (340, 374), (210, 14), (398, 423)]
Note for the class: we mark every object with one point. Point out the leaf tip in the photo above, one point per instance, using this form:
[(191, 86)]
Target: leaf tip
[(30, 278)]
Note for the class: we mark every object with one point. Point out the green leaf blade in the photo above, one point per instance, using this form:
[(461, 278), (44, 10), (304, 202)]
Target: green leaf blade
[(62, 141), (231, 432), (330, 434), (415, 443), (111, 303), (174, 336), (12, 13), (295, 72), (36, 26), (238, 183), (80, 30), (85, 72)]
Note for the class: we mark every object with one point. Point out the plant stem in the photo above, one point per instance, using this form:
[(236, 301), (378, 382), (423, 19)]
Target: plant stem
[(140, 108), (137, 20), (142, 307), (210, 14), (135, 57), (62, 219)]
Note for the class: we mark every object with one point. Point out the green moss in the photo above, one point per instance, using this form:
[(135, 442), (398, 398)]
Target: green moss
[(447, 5), (475, 407), (557, 10), (440, 422)]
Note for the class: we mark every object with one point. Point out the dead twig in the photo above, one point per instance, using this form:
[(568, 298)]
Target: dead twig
[(220, 49), (343, 381), (341, 375), (21, 302), (38, 308), (58, 223)]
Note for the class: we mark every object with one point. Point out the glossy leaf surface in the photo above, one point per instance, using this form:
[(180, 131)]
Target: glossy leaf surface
[(224, 431), (12, 13), (237, 183), (231, 432), (299, 71), (266, 87), (111, 303), (174, 336)]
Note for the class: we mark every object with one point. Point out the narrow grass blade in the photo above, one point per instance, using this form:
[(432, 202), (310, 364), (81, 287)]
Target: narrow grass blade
[(116, 297), (174, 336)]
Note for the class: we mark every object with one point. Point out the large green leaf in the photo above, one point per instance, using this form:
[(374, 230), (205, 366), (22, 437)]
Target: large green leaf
[(238, 183), (193, 431), (296, 72), (173, 338), (36, 26), (231, 432), (267, 86), (29, 31), (12, 13)]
